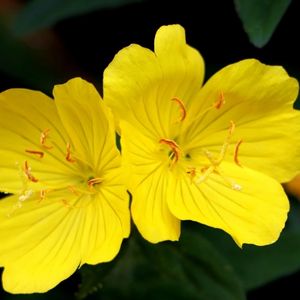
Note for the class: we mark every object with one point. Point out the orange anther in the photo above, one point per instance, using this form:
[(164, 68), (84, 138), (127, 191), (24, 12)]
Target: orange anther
[(236, 151), (94, 181), (43, 138), (181, 107), (174, 148), (27, 172), (220, 102), (40, 154), (192, 173), (68, 156)]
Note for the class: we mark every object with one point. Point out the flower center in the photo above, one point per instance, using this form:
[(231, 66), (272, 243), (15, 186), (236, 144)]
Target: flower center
[(174, 152), (199, 174), (88, 181)]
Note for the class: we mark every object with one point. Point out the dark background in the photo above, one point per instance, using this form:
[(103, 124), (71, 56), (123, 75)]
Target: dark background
[(84, 46)]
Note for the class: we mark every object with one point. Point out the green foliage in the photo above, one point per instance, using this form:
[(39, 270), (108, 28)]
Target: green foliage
[(260, 18), (38, 14), (190, 269), (257, 266)]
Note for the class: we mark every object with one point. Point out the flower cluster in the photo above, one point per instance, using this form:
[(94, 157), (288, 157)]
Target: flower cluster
[(215, 154)]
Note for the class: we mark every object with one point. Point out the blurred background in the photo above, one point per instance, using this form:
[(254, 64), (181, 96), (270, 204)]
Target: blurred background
[(43, 43)]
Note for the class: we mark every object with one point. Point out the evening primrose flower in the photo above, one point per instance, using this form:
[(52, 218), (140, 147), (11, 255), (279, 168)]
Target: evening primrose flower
[(69, 204), (213, 154)]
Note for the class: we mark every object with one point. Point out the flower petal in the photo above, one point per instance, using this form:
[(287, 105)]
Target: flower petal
[(88, 122), (182, 65), (148, 183), (46, 241), (150, 211), (259, 100), (139, 85), (24, 116), (248, 205)]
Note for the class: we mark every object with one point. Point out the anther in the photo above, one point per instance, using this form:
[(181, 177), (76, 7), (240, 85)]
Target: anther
[(68, 156), (94, 181), (40, 154), (43, 138), (27, 172), (220, 102), (181, 107), (174, 148), (236, 152), (192, 173), (43, 194)]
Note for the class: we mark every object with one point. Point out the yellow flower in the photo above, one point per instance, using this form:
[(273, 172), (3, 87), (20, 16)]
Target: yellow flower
[(69, 204), (211, 154)]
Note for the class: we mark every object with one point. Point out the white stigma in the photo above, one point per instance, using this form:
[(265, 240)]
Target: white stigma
[(25, 195)]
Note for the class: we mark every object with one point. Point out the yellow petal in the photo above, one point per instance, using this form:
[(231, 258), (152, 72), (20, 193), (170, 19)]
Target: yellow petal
[(46, 241), (248, 205), (259, 100), (150, 211), (88, 122), (148, 183), (182, 65), (139, 84), (24, 116)]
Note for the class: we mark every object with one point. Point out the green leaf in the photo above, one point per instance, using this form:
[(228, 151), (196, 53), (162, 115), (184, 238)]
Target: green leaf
[(257, 266), (260, 18), (38, 14), (190, 269), (20, 62)]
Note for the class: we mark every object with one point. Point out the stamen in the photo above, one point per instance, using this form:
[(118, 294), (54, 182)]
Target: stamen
[(226, 142), (68, 156), (220, 102), (192, 173), (73, 190), (40, 154), (206, 172), (215, 163), (181, 107), (174, 148), (66, 203), (236, 151), (43, 137), (25, 195), (94, 181), (216, 105), (231, 129), (27, 172), (43, 194)]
